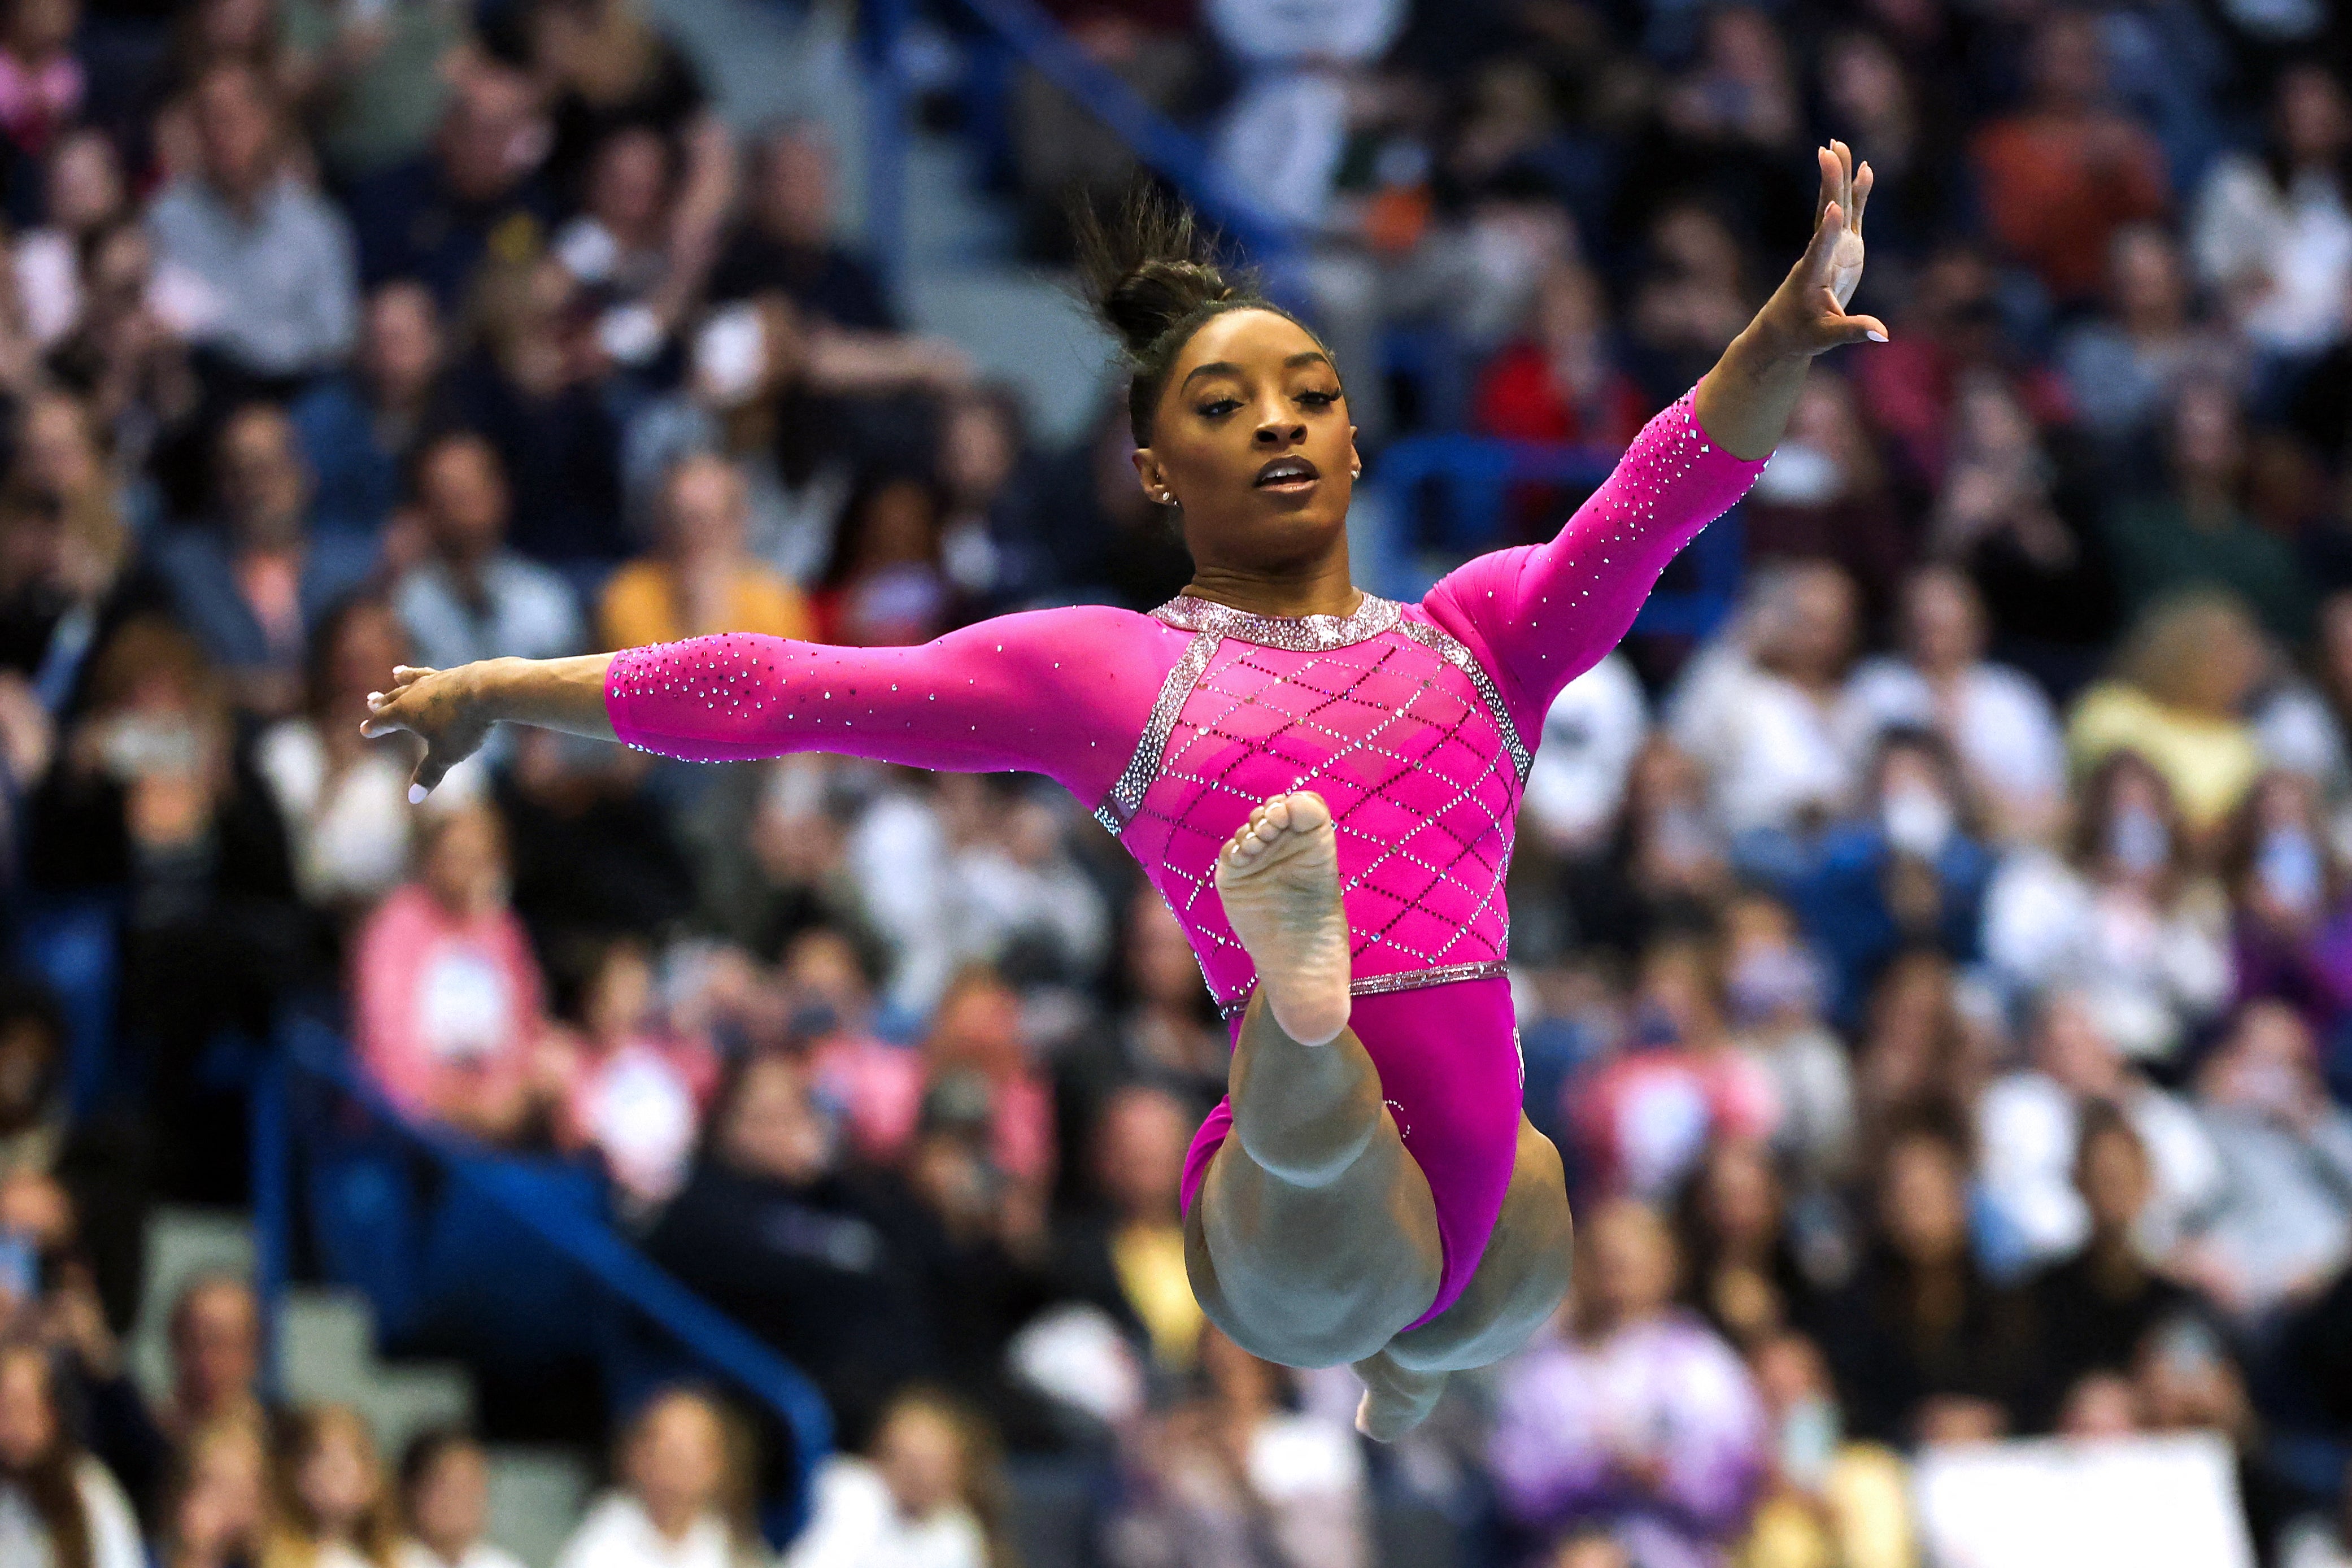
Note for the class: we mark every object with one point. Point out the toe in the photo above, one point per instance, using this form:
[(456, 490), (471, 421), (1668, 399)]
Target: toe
[(1277, 815)]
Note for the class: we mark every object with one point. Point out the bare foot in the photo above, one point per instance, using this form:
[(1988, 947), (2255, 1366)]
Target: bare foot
[(1395, 1400), (1279, 878)]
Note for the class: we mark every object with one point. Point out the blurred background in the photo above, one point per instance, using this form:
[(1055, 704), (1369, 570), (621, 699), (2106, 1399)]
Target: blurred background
[(1933, 944)]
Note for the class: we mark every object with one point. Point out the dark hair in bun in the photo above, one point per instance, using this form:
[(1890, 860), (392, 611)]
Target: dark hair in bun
[(1152, 275)]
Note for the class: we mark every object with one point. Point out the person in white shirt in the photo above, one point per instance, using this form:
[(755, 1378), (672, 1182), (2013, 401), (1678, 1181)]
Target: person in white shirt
[(444, 1500), (2272, 235), (1591, 737), (1997, 722), (50, 1491), (1756, 708), (926, 1499), (471, 597), (683, 1501)]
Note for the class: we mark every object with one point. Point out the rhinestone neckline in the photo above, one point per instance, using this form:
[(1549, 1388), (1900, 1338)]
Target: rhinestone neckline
[(1299, 633)]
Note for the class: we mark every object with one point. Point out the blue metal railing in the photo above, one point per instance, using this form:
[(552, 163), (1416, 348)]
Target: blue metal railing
[(716, 1340)]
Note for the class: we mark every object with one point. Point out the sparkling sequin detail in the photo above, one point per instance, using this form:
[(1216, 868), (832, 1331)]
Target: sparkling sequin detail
[(1117, 808), (1450, 650), (1402, 980), (1298, 633)]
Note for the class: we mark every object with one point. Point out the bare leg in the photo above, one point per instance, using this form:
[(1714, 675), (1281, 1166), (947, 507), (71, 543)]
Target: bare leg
[(1519, 1283), (1314, 1239)]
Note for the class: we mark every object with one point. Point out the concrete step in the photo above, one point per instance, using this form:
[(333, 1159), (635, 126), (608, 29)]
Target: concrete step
[(536, 1498), (1023, 328)]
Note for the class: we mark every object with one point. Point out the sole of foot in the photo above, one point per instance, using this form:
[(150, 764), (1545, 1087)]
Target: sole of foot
[(1279, 879)]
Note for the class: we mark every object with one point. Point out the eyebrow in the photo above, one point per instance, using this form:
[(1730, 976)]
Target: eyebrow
[(1227, 367)]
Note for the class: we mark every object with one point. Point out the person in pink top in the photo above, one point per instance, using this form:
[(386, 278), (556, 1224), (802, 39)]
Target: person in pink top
[(450, 1005), (1321, 783)]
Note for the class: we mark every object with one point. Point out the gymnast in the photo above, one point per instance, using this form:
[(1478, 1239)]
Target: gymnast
[(1321, 784)]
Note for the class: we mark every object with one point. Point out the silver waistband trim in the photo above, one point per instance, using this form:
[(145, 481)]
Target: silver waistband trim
[(1125, 798), (1441, 642), (1402, 980), (1299, 633)]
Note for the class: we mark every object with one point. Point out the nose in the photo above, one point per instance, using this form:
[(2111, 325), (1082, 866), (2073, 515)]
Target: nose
[(1280, 427)]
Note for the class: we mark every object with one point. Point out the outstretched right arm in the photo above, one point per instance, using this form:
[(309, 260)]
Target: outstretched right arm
[(1061, 692)]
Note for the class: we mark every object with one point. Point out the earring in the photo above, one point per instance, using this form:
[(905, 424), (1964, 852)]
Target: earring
[(1357, 472), (1167, 499)]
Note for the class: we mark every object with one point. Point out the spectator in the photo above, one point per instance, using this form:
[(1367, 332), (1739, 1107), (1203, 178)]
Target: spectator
[(214, 1336), (704, 579), (1560, 382), (534, 388), (1128, 1254), (358, 427), (264, 265), (254, 590), (2293, 936), (128, 361), (379, 80), (885, 585), (1744, 1276), (2062, 174), (594, 853), (2177, 700), (221, 1512), (344, 799), (2300, 720), (931, 1492), (84, 192), (445, 1499), (1775, 992), (2099, 1305), (63, 458), (2123, 371), (2030, 1125), (1637, 1419), (49, 592), (476, 196), (1825, 495), (1909, 872), (2123, 922), (470, 596), (446, 992), (42, 85), (1170, 1036), (785, 243), (1236, 1477), (615, 247), (1997, 723), (774, 1229), (636, 1091), (990, 544), (1755, 708), (684, 1497), (334, 1504), (2194, 533), (1828, 1499), (2273, 236), (1664, 869), (1592, 736), (2282, 1225), (58, 1505), (1924, 1345)]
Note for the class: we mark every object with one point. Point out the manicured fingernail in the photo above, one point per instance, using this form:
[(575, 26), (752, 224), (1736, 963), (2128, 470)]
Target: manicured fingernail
[(415, 795), (1875, 337)]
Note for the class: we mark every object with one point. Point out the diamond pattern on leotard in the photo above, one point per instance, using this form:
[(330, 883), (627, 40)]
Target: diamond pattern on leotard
[(1398, 740)]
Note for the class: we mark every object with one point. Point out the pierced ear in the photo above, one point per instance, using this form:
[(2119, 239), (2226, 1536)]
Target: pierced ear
[(1355, 459), (1153, 480)]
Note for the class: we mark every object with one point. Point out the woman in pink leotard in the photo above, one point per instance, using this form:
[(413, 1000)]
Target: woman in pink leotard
[(1322, 785)]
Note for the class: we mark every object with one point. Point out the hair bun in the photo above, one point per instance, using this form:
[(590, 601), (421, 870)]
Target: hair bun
[(1150, 269)]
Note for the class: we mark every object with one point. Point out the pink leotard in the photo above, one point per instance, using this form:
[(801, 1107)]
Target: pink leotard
[(1408, 719)]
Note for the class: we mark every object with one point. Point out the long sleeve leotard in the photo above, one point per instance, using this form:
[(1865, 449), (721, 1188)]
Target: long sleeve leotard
[(1408, 719)]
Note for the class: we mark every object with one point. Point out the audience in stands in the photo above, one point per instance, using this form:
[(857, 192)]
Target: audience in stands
[(931, 1491), (336, 1507), (58, 1505), (444, 1502), (684, 1497)]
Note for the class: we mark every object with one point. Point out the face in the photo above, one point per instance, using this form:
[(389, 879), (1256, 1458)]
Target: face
[(676, 1462), (2147, 278), (705, 509), (1921, 1205), (821, 967), (337, 1479), (1941, 619), (264, 485), (234, 129), (466, 865), (1742, 1198), (2070, 1046), (465, 498), (216, 1348), (370, 642), (38, 28), (920, 1454), (978, 1027), (85, 181), (492, 135), (2207, 441), (1633, 1263), (2114, 1178), (1141, 1157), (2311, 115), (2069, 64), (774, 1129), (1251, 439), (1862, 79), (1158, 957), (977, 451), (28, 1417), (29, 1052), (401, 347), (796, 189), (631, 176), (57, 455), (451, 1504)]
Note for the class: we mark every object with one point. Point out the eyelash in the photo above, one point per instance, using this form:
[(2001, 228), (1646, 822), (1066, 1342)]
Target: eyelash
[(1222, 407)]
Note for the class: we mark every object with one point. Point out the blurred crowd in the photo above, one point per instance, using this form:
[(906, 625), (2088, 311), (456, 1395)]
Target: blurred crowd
[(1937, 979)]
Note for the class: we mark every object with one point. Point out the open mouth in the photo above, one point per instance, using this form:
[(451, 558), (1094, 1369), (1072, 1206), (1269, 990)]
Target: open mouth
[(1288, 473)]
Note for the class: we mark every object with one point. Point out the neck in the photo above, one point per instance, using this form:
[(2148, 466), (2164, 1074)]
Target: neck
[(1321, 588)]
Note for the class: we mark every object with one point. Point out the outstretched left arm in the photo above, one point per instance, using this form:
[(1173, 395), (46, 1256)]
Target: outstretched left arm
[(1540, 615)]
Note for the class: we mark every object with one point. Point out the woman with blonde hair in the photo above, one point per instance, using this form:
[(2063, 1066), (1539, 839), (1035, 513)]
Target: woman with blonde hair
[(335, 1504), (2177, 696), (931, 1491), (221, 1511)]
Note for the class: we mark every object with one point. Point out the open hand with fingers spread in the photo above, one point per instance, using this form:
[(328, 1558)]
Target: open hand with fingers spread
[(438, 708)]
